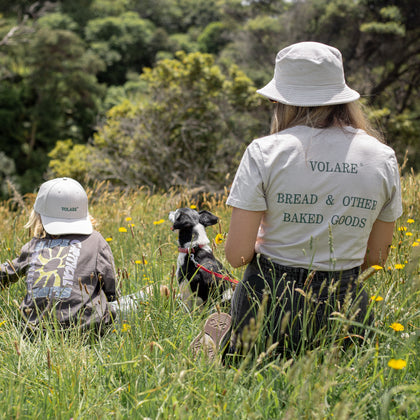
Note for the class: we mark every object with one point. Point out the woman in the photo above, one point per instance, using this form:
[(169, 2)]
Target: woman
[(313, 203)]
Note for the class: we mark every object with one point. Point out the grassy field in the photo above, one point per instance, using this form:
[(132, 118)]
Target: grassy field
[(144, 369)]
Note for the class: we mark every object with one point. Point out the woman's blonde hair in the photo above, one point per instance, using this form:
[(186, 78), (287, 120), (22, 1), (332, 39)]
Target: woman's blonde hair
[(34, 224), (342, 115)]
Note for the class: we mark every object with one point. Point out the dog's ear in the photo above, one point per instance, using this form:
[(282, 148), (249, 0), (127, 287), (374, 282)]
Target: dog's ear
[(207, 218), (182, 221)]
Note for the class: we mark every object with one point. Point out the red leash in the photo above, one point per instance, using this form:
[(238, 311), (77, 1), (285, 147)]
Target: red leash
[(220, 276)]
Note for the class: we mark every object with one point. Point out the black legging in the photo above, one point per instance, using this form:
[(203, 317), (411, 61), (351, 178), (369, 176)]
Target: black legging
[(297, 307)]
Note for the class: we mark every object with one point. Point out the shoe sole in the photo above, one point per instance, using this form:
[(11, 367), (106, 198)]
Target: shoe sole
[(208, 341), (217, 326), (203, 343)]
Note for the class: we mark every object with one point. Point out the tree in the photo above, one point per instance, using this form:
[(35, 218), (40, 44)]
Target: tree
[(123, 42), (50, 82), (189, 128), (214, 38), (179, 16)]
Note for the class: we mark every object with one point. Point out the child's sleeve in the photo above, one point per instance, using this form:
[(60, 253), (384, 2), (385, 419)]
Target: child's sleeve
[(106, 269), (10, 271)]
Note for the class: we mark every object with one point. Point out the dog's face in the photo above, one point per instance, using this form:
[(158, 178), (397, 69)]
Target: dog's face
[(191, 224)]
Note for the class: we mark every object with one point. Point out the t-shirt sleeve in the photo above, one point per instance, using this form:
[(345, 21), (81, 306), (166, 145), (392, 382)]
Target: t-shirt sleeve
[(392, 208), (247, 191)]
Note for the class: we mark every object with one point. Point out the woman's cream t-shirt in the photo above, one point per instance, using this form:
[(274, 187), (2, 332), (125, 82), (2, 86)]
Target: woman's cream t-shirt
[(321, 190)]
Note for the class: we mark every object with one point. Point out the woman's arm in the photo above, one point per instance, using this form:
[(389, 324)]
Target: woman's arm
[(240, 242), (380, 240)]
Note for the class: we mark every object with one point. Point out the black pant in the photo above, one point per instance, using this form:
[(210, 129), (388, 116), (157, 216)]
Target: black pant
[(293, 307)]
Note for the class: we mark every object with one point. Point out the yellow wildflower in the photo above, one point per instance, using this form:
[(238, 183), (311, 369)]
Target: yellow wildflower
[(377, 267), (410, 221), (143, 261), (396, 326), (399, 266), (2, 322), (402, 229), (376, 298), (158, 222), (397, 364), (109, 239), (125, 327), (122, 229), (219, 239), (193, 206), (408, 234), (128, 219), (415, 244)]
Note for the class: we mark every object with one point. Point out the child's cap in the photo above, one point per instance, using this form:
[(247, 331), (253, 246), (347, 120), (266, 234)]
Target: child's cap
[(63, 206)]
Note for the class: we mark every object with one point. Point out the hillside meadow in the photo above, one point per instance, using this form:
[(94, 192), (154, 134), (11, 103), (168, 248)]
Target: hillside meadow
[(143, 368)]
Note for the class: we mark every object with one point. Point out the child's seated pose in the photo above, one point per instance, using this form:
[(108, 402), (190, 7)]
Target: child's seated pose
[(69, 267)]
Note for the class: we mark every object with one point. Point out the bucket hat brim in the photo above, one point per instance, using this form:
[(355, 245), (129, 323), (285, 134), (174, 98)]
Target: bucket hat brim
[(302, 96)]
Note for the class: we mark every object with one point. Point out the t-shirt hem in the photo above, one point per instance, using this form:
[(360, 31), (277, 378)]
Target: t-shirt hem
[(238, 204)]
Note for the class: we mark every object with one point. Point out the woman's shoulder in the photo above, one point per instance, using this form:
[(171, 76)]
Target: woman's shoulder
[(282, 137), (370, 143)]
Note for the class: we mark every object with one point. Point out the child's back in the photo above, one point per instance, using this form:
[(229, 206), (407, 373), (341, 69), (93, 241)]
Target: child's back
[(69, 268)]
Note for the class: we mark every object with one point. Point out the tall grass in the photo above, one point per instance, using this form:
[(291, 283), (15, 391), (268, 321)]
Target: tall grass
[(143, 369)]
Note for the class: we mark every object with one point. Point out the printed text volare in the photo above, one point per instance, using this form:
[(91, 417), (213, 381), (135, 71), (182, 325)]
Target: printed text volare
[(338, 167)]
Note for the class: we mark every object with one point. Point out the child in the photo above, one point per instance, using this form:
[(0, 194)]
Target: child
[(69, 267)]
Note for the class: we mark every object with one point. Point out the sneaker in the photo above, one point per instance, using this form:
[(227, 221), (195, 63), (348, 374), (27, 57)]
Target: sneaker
[(214, 332)]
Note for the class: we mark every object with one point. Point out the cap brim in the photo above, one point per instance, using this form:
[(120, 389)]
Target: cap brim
[(55, 226), (309, 96)]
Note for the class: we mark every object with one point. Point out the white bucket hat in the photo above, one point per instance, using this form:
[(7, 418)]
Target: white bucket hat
[(63, 206), (309, 74)]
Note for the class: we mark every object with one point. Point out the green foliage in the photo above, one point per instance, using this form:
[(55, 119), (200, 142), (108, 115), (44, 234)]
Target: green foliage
[(104, 8), (52, 86), (68, 159), (62, 86), (57, 21), (181, 15), (178, 42), (7, 174), (78, 10), (188, 131), (122, 42), (214, 38), (391, 26)]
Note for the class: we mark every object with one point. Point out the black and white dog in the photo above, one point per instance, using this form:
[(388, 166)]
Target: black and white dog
[(200, 275)]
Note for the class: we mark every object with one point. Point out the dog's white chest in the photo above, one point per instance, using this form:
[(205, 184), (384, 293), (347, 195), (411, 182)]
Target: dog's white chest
[(180, 262)]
